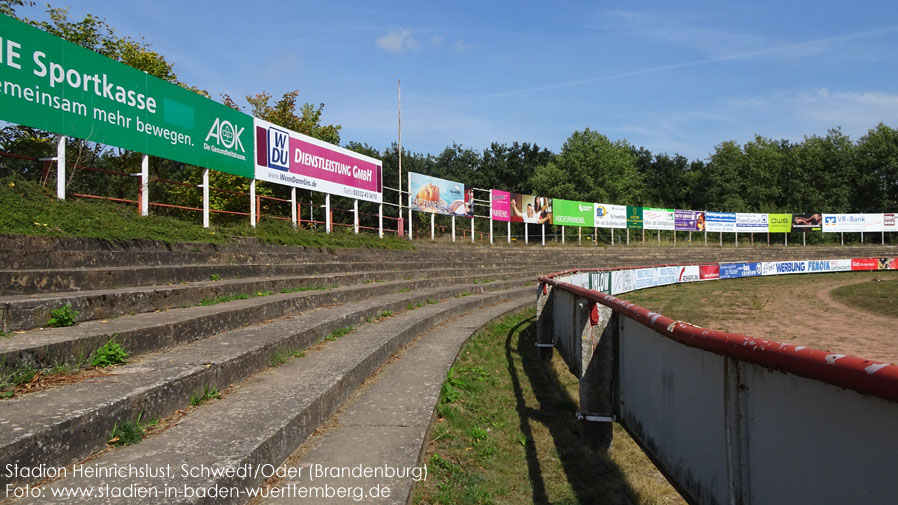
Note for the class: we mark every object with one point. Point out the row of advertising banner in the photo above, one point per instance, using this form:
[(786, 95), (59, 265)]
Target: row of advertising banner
[(616, 282), (441, 196)]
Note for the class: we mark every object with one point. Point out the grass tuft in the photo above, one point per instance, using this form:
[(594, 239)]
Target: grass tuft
[(62, 317)]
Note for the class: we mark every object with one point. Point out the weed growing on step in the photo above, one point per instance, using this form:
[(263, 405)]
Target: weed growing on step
[(108, 354), (339, 333), (130, 432), (207, 393), (433, 302), (306, 288), (410, 306), (378, 317), (463, 293), (5, 334), (62, 317), (10, 379), (214, 277), (404, 290)]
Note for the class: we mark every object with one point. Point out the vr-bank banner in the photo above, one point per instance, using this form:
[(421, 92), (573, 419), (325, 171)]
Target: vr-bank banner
[(531, 209), (689, 220), (439, 196), (658, 219), (286, 157), (51, 84), (720, 222), (572, 213), (610, 216), (837, 223), (807, 222), (500, 205), (751, 223)]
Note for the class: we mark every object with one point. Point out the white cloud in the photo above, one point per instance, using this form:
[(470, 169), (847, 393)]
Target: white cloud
[(397, 41), (461, 47)]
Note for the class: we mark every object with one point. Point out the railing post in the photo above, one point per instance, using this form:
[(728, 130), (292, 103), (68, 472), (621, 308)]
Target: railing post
[(144, 185), (544, 324), (60, 167)]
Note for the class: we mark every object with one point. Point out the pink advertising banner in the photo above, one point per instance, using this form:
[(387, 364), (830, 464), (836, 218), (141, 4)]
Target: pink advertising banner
[(500, 205), (293, 159)]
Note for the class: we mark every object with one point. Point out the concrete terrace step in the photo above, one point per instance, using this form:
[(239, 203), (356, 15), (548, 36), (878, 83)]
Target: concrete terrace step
[(151, 331), (24, 312), (261, 421), (386, 423)]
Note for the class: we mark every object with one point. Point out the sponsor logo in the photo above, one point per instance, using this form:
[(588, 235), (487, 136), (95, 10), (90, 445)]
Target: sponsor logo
[(818, 266), (768, 268), (790, 267), (688, 274), (708, 272), (865, 264), (830, 220), (584, 208), (601, 212), (888, 220), (278, 149), (226, 135)]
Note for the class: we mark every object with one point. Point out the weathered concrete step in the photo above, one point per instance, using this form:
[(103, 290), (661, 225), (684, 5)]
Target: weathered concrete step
[(152, 331), (32, 311), (62, 426), (45, 281), (385, 424)]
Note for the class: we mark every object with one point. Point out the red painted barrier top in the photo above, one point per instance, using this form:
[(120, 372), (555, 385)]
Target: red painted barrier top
[(858, 374)]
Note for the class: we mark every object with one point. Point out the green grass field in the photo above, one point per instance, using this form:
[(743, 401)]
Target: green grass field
[(506, 432)]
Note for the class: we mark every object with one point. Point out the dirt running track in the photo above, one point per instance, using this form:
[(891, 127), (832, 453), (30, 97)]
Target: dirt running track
[(806, 314)]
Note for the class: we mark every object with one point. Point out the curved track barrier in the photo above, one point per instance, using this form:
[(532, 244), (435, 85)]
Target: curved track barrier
[(730, 419)]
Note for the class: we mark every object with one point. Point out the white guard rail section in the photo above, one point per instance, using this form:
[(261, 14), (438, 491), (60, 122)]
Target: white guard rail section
[(729, 419)]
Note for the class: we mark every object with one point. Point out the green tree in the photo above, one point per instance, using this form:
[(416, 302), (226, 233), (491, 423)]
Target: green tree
[(722, 179), (876, 159), (591, 168)]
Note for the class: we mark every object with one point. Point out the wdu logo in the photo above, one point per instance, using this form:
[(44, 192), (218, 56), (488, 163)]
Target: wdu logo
[(278, 149)]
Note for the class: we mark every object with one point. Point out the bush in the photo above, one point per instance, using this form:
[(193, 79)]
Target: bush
[(63, 316)]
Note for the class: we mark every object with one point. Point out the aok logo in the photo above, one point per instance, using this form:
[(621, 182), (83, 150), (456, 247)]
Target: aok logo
[(278, 149), (226, 134)]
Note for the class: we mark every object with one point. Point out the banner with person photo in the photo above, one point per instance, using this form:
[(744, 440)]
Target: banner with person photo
[(807, 222), (530, 209), (689, 220), (439, 196)]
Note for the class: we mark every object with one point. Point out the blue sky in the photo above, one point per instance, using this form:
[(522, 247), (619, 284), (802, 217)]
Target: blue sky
[(675, 78)]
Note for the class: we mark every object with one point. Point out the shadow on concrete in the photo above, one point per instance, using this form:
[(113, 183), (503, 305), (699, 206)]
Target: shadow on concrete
[(595, 479)]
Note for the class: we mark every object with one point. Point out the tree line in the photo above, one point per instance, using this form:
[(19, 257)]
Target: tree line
[(830, 173)]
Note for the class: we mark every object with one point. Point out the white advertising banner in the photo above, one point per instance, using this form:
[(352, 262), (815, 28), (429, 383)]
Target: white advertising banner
[(837, 223), (623, 281), (751, 223), (720, 222), (610, 216), (286, 157), (658, 219), (688, 273)]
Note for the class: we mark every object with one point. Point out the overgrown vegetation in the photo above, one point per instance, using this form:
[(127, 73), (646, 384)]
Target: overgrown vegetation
[(130, 432), (338, 333), (506, 432), (108, 354), (62, 317), (207, 393)]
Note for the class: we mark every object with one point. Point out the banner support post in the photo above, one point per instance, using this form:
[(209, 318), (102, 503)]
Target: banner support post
[(527, 234), (327, 212), (737, 239), (205, 198), (293, 205), (579, 236), (786, 235), (472, 225), (380, 220), (843, 238), (355, 211), (544, 234), (60, 167), (410, 222), (509, 232), (612, 237), (144, 185), (453, 228), (562, 234), (862, 237), (252, 203), (433, 218), (628, 236), (804, 239)]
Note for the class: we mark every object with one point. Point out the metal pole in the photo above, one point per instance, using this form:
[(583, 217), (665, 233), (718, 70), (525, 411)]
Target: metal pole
[(410, 223), (380, 220), (862, 237), (787, 239), (252, 203), (432, 219), (579, 236), (205, 198), (527, 234), (472, 227), (804, 239), (144, 185), (562, 234), (612, 236), (293, 205), (399, 181), (737, 239), (453, 228), (628, 236), (544, 233), (327, 212), (60, 167), (355, 210), (509, 232), (843, 238)]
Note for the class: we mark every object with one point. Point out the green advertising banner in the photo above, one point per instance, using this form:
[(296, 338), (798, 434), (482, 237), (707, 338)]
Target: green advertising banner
[(634, 218), (779, 223), (51, 84), (570, 213)]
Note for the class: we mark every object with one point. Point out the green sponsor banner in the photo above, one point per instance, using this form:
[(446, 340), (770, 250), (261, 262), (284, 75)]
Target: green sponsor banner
[(779, 223), (571, 213), (634, 218), (54, 85), (600, 281)]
